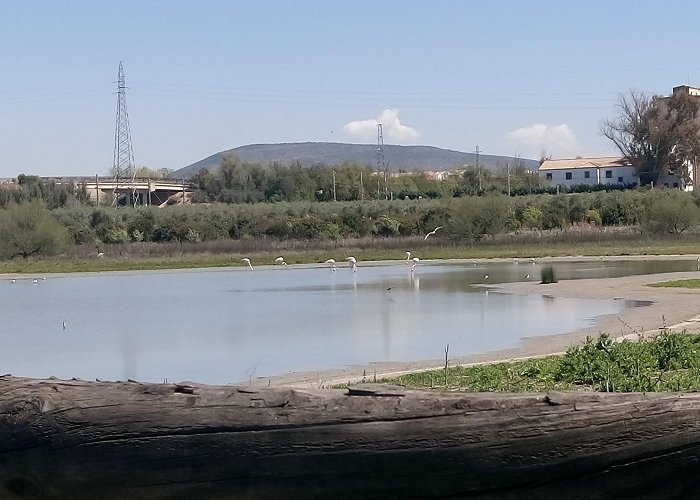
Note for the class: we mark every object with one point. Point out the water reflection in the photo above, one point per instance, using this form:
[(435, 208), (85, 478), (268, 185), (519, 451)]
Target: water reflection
[(220, 326)]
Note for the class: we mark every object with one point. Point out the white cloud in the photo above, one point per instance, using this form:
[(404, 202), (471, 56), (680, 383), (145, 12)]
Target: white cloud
[(392, 129), (557, 140)]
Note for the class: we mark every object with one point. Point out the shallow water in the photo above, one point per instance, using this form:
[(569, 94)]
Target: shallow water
[(221, 326)]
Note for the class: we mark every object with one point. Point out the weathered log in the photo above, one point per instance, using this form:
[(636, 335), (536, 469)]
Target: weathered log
[(76, 439)]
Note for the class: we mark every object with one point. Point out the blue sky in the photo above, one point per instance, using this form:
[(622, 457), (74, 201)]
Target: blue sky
[(513, 77)]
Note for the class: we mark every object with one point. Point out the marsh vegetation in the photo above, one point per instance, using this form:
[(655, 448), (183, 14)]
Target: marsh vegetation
[(667, 362)]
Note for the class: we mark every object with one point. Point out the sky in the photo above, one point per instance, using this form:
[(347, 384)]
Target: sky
[(511, 77)]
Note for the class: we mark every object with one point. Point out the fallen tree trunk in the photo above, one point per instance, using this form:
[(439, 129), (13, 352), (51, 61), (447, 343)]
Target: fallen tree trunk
[(77, 439)]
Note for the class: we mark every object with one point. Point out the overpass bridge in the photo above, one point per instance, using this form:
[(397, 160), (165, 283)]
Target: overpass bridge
[(136, 191)]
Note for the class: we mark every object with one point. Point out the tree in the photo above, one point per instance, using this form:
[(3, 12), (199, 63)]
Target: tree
[(672, 212), (663, 133), (29, 229)]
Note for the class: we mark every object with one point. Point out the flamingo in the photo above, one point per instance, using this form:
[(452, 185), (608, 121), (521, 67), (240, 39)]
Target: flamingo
[(408, 257), (247, 261), (415, 260), (331, 264), (432, 232), (280, 261), (353, 263)]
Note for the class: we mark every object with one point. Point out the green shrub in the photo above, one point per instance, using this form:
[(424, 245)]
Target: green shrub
[(548, 275)]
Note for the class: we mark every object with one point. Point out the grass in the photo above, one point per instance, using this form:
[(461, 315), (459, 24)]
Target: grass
[(667, 362), (139, 256), (690, 283)]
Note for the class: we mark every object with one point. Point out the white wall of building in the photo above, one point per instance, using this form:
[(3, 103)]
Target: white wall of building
[(589, 176)]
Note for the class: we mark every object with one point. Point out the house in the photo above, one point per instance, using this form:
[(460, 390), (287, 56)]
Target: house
[(692, 167), (588, 171), (602, 170)]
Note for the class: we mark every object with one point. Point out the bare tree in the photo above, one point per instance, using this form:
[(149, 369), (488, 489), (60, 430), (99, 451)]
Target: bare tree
[(662, 133)]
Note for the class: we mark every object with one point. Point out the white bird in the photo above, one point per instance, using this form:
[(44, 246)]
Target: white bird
[(415, 260), (432, 232), (100, 255), (331, 264), (12, 280), (35, 281), (515, 260), (353, 263), (44, 278), (280, 261), (408, 257), (527, 276), (247, 261), (486, 276)]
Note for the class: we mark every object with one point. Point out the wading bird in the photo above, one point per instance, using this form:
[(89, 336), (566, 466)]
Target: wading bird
[(247, 261), (280, 261), (331, 264), (353, 263), (432, 232), (12, 280), (415, 260), (100, 255), (486, 276), (408, 257), (35, 281)]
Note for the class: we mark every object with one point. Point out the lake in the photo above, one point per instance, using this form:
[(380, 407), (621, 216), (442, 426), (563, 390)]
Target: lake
[(225, 325)]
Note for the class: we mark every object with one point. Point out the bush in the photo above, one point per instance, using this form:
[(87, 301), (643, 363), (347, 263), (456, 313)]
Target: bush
[(548, 275), (29, 229)]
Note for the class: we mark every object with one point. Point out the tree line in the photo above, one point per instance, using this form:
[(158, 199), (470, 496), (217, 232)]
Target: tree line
[(30, 228), (239, 182)]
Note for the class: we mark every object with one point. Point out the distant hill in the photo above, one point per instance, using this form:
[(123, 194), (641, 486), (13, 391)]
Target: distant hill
[(404, 158)]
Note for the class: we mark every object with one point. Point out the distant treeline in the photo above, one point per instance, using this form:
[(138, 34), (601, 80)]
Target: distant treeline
[(236, 182), (30, 229)]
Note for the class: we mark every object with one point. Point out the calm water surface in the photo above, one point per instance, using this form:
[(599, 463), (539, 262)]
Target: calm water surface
[(221, 326)]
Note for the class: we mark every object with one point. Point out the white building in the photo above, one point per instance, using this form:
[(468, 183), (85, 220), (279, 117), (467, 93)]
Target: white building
[(604, 170), (588, 171)]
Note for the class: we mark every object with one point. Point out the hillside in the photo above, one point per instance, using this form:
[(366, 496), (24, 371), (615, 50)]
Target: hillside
[(405, 158)]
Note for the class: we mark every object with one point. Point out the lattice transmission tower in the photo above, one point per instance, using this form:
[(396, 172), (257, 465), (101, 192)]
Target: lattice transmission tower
[(381, 161), (123, 163)]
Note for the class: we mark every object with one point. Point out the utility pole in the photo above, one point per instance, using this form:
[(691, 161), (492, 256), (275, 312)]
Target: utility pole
[(334, 198), (508, 169), (478, 169), (97, 190), (362, 189)]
